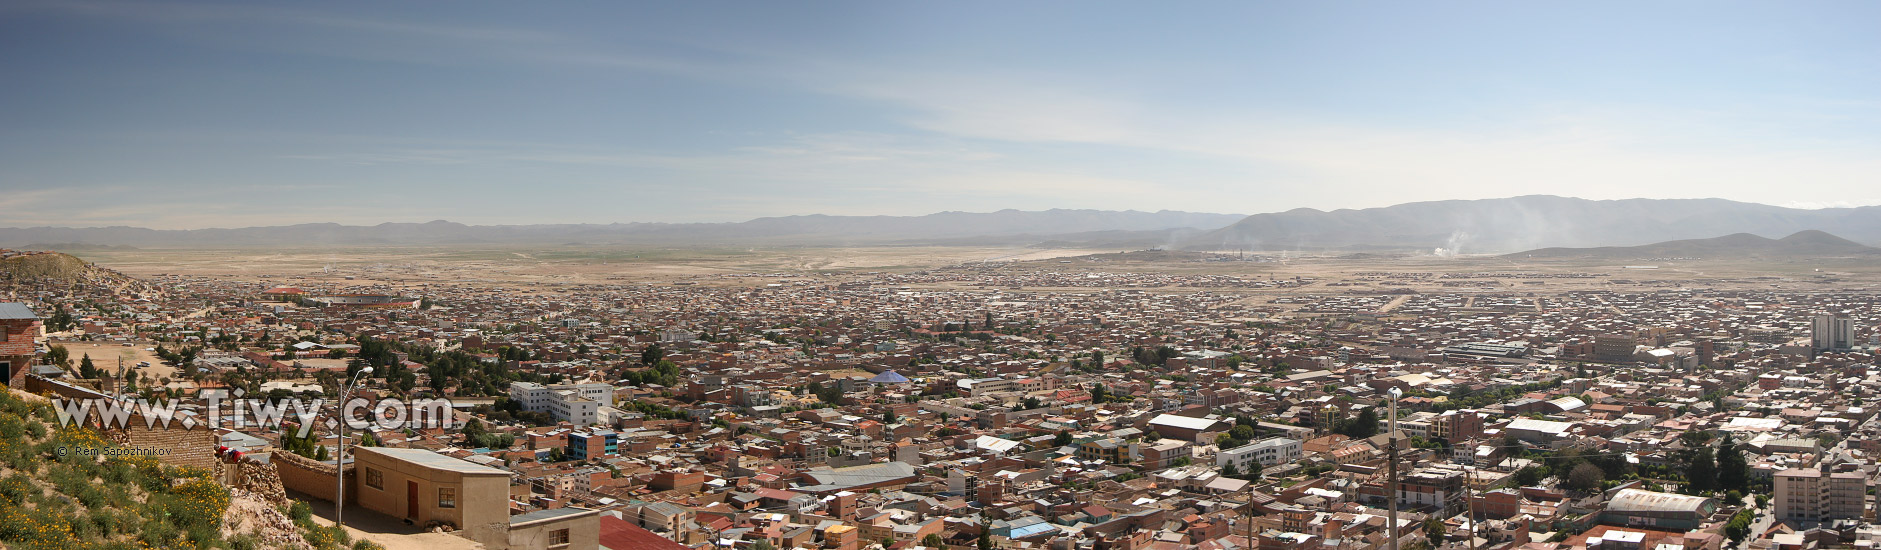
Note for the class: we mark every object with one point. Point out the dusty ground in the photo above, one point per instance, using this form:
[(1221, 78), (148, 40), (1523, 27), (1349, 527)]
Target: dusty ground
[(569, 265), (105, 356), (389, 532), (562, 268)]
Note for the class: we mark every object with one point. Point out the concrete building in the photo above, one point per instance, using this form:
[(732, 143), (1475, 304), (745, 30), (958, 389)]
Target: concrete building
[(1614, 347), (1186, 428), (1268, 452), (1456, 425), (423, 486), (556, 529), (578, 404), (1638, 508), (1815, 495), (595, 444), (1164, 453), (1828, 332)]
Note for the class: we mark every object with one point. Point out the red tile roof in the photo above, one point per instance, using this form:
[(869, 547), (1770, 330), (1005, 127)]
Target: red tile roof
[(618, 534)]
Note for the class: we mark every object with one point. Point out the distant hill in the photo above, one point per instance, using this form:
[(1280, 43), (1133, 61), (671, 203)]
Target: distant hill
[(72, 247), (1803, 244), (1002, 227), (1525, 223), (27, 269)]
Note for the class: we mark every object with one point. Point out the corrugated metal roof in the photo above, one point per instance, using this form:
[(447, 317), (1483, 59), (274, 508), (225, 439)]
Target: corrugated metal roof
[(1635, 500), (1185, 422), (16, 310)]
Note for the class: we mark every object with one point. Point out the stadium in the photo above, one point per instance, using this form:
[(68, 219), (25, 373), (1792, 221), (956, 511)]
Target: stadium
[(371, 301)]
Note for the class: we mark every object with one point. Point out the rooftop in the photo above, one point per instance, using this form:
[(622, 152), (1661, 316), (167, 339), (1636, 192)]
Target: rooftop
[(16, 310), (429, 459), (1635, 500)]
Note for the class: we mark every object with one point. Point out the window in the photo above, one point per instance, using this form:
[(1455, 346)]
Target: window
[(447, 497), (558, 537), (375, 478)]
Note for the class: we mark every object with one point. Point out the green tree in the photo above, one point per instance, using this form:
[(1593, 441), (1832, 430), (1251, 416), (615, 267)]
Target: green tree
[(473, 429), (1063, 438), (933, 540), (58, 355), (1528, 477), (653, 354), (1733, 469), (1434, 531), (1363, 426), (1701, 472), (320, 454), (86, 369), (1585, 477)]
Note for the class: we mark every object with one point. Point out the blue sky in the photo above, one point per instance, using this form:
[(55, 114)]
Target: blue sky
[(182, 115)]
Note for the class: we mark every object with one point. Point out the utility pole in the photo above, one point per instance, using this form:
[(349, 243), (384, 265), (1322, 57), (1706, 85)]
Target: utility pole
[(1469, 492), (1250, 514), (1391, 455)]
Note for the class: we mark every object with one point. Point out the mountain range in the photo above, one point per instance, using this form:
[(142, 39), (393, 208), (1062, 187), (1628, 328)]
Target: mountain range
[(1488, 226), (1514, 224), (1001, 227), (1803, 244)]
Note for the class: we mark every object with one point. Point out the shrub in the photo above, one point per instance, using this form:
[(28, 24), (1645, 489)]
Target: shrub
[(200, 503), (15, 488), (299, 512)]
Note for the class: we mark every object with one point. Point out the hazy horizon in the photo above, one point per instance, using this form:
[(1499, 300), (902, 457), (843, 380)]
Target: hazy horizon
[(202, 114)]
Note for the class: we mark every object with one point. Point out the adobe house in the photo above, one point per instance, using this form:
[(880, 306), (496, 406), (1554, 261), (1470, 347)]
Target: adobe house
[(19, 329), (423, 486)]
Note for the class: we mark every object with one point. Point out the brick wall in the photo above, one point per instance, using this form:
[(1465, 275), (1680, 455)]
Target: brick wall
[(19, 336), (195, 446)]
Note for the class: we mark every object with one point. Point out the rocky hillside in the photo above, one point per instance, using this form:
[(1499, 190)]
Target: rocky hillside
[(36, 268)]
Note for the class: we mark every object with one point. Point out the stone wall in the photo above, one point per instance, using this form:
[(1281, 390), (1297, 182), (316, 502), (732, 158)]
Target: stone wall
[(259, 478)]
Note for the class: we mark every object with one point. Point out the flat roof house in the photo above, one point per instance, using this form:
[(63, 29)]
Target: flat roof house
[(423, 486)]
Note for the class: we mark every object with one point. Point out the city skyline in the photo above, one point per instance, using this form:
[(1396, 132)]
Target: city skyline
[(193, 115)]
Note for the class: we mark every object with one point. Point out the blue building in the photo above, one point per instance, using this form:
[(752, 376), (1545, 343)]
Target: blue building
[(586, 445)]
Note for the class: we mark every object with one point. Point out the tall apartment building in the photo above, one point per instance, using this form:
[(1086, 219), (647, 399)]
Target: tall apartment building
[(1829, 332), (577, 404), (1805, 495), (1456, 425)]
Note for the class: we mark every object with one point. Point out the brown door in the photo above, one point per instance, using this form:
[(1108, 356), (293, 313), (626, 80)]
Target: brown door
[(411, 500)]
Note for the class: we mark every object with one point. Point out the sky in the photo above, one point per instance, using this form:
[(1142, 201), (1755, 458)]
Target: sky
[(200, 114)]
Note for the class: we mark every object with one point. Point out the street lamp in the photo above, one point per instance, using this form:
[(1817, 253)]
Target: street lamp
[(1391, 493), (339, 458)]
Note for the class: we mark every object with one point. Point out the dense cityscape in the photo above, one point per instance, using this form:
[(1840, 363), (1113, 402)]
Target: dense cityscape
[(1024, 405)]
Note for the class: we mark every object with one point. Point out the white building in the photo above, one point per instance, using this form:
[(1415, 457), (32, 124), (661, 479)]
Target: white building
[(1268, 452), (578, 404), (1829, 332)]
